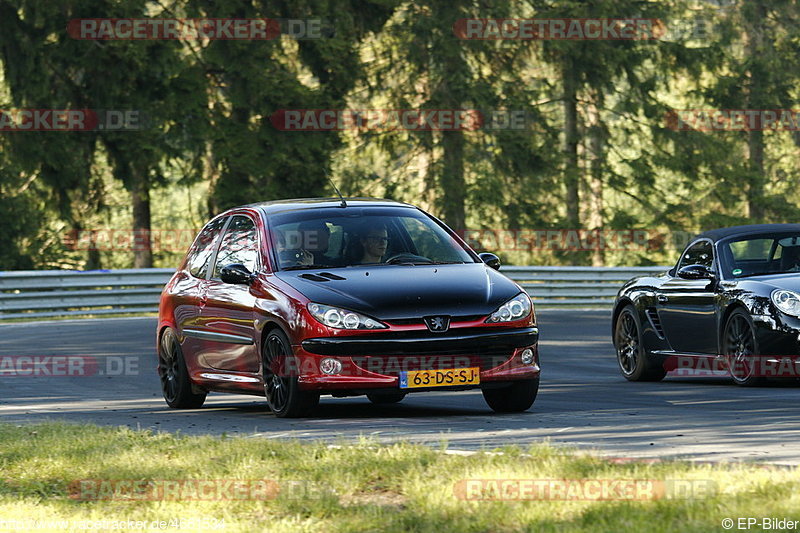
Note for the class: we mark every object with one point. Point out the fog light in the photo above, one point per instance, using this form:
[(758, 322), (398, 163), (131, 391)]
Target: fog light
[(330, 366), (527, 356)]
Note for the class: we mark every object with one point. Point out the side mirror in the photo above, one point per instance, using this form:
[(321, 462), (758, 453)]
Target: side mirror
[(490, 259), (236, 274), (695, 272)]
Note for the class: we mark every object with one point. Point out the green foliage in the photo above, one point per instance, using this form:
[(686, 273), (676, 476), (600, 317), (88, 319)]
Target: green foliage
[(209, 143)]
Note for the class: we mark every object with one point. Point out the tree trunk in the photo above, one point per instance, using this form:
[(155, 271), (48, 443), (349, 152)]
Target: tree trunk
[(756, 12), (453, 184), (210, 176), (140, 201), (571, 175), (450, 81), (596, 157)]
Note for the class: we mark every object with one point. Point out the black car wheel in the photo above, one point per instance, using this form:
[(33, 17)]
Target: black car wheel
[(740, 349), (517, 397), (284, 396), (386, 398), (175, 383), (631, 355)]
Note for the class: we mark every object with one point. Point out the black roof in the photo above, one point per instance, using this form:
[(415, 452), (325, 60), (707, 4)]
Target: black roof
[(278, 206), (751, 229)]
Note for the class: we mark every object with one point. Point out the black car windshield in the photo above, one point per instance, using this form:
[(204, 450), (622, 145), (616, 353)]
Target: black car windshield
[(339, 237), (757, 255)]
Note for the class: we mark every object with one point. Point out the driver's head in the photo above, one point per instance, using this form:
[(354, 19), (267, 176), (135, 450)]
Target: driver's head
[(315, 235), (375, 241)]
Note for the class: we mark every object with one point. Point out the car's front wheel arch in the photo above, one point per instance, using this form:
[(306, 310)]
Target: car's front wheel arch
[(280, 373), (634, 359), (620, 305)]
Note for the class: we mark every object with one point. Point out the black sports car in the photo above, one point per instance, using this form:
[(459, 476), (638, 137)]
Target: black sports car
[(731, 302)]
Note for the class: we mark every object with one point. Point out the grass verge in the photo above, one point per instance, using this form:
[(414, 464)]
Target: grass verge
[(80, 477)]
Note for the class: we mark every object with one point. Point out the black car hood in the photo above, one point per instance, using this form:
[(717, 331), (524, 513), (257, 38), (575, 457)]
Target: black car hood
[(390, 292), (789, 281)]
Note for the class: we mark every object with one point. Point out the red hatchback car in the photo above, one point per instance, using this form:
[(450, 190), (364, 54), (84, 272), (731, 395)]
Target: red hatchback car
[(298, 298)]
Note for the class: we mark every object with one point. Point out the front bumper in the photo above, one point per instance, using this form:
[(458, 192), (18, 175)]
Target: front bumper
[(454, 342), (375, 361)]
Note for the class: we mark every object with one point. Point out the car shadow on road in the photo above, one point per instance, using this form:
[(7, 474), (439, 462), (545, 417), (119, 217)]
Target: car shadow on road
[(356, 408)]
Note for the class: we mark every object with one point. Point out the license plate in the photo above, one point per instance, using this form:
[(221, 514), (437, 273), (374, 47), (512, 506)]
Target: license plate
[(448, 377)]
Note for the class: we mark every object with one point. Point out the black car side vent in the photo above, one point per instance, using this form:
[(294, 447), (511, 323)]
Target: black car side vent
[(652, 316)]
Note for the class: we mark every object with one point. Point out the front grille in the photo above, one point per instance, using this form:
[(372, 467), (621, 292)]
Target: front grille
[(418, 320)]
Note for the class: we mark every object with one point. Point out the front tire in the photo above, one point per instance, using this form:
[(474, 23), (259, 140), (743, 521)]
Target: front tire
[(740, 348), (175, 383), (282, 391), (631, 354), (516, 398)]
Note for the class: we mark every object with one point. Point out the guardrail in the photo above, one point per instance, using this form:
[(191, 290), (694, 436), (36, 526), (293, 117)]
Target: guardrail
[(55, 293)]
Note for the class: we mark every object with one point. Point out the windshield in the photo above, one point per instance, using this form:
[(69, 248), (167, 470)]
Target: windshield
[(756, 255), (339, 237)]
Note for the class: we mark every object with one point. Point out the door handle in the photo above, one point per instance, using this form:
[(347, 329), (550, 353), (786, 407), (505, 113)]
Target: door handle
[(662, 299)]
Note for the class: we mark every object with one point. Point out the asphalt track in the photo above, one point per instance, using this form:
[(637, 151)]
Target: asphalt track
[(583, 400)]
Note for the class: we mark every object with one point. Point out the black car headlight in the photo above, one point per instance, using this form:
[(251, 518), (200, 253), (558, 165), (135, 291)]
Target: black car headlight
[(786, 301), (516, 308), (335, 317)]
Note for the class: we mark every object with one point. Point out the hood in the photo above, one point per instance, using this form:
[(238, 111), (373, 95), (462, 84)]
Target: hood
[(390, 292), (789, 281)]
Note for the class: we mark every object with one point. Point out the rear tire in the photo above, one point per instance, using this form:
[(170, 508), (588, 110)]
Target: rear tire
[(384, 399), (631, 354), (282, 391), (175, 383), (516, 398)]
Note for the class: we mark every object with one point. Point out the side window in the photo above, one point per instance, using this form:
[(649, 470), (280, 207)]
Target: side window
[(700, 253), (239, 245), (203, 247)]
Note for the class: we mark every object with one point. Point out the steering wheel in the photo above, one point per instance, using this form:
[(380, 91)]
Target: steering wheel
[(406, 257)]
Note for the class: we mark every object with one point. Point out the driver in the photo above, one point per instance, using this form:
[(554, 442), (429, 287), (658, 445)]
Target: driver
[(375, 241)]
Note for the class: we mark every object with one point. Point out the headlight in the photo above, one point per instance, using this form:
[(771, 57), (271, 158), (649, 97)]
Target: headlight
[(786, 301), (334, 317), (516, 308)]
